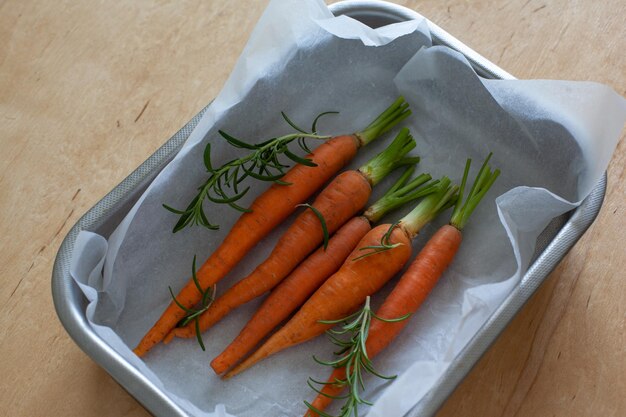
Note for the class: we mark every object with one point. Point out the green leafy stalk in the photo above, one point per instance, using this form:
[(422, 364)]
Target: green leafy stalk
[(353, 357), (261, 163), (393, 115), (440, 199), (391, 158), (208, 295), (401, 193), (484, 180)]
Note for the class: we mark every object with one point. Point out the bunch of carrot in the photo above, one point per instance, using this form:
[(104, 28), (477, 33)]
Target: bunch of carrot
[(330, 260), (313, 271), (336, 204), (273, 206)]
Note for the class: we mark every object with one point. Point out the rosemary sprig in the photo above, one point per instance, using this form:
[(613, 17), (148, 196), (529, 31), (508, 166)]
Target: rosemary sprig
[(385, 245), (353, 357), (208, 296), (262, 163)]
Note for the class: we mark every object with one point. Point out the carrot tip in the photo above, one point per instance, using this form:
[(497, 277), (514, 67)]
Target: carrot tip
[(170, 336), (215, 368)]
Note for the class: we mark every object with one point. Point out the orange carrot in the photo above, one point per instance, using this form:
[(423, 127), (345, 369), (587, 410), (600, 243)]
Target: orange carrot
[(406, 297), (378, 257), (345, 196), (268, 211), (312, 272)]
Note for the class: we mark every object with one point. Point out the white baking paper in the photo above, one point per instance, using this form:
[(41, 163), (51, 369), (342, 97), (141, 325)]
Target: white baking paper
[(551, 139)]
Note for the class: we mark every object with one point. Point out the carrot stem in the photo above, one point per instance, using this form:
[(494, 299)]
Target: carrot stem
[(393, 115), (484, 180), (401, 193), (433, 204), (391, 158)]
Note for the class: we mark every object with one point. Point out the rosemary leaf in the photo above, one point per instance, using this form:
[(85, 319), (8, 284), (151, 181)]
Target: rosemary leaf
[(236, 142), (314, 125), (299, 160), (207, 158), (322, 221), (194, 276), (198, 335), (173, 210), (292, 124), (188, 310)]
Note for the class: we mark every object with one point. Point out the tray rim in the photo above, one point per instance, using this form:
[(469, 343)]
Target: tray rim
[(70, 304)]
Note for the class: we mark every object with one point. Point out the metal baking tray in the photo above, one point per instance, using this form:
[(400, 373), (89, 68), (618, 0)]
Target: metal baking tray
[(552, 245)]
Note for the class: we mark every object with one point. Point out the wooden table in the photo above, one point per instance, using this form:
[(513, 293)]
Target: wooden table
[(89, 89)]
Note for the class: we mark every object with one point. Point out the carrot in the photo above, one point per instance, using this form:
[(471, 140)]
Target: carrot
[(269, 210), (313, 271), (345, 196), (406, 297), (378, 257)]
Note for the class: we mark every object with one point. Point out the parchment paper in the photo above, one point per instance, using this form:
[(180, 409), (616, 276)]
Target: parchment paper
[(552, 140)]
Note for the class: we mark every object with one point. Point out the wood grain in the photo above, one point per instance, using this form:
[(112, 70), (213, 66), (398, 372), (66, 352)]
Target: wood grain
[(82, 80)]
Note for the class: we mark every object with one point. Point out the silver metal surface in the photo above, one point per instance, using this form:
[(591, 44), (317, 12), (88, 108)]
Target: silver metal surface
[(553, 244)]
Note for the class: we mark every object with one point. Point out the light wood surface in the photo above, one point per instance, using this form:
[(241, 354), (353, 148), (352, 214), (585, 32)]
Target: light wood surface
[(90, 89)]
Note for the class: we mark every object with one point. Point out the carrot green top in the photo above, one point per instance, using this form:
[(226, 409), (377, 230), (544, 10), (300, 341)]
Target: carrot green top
[(401, 193), (484, 180), (442, 198), (391, 158), (386, 121)]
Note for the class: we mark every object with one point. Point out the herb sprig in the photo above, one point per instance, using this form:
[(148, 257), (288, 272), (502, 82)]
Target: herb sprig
[(384, 245), (353, 357), (262, 163), (208, 295)]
